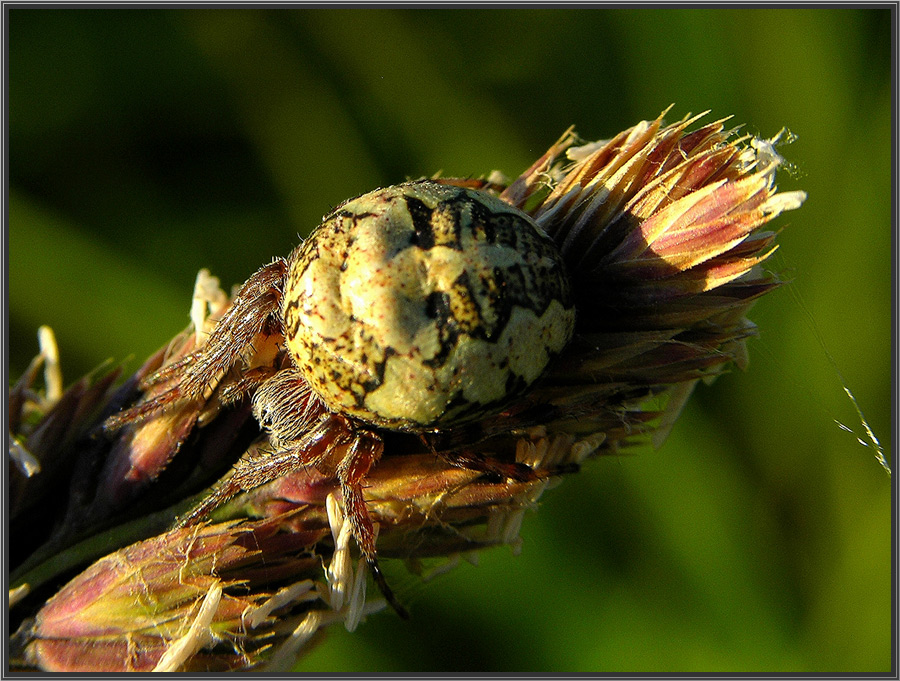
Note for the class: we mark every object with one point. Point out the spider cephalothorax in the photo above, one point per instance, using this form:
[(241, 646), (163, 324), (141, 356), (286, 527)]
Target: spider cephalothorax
[(414, 308)]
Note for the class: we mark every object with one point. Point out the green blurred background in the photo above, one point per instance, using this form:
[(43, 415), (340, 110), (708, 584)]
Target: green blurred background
[(146, 144)]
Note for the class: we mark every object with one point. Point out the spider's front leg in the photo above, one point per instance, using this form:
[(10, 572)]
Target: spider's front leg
[(252, 472), (364, 452), (304, 435), (255, 310), (332, 431)]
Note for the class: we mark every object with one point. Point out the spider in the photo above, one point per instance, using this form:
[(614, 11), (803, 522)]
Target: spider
[(419, 308)]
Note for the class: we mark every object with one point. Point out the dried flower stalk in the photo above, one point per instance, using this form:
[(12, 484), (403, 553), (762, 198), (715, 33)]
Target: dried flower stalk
[(662, 229)]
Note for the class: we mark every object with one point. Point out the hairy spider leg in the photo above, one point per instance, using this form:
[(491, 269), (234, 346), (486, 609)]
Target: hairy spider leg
[(473, 461), (254, 311), (449, 448), (286, 407), (333, 430), (508, 470), (251, 472), (363, 453)]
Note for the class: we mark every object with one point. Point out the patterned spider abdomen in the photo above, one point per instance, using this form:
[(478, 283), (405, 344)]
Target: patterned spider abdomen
[(423, 305)]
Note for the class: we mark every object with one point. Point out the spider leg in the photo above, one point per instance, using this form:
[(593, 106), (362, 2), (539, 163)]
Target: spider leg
[(510, 470), (251, 472), (332, 431), (255, 310), (249, 381), (287, 408), (168, 372), (352, 471), (507, 470)]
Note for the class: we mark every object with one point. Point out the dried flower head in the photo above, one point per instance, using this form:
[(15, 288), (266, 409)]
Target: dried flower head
[(661, 232)]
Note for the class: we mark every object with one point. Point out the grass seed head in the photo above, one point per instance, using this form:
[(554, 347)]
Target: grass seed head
[(663, 231)]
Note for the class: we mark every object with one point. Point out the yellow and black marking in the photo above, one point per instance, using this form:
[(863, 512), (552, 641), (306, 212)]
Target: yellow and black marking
[(422, 305)]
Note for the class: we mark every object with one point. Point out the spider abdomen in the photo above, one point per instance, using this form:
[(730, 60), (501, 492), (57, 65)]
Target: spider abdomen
[(423, 305)]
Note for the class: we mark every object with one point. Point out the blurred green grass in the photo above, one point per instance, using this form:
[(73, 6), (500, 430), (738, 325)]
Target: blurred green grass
[(146, 144)]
